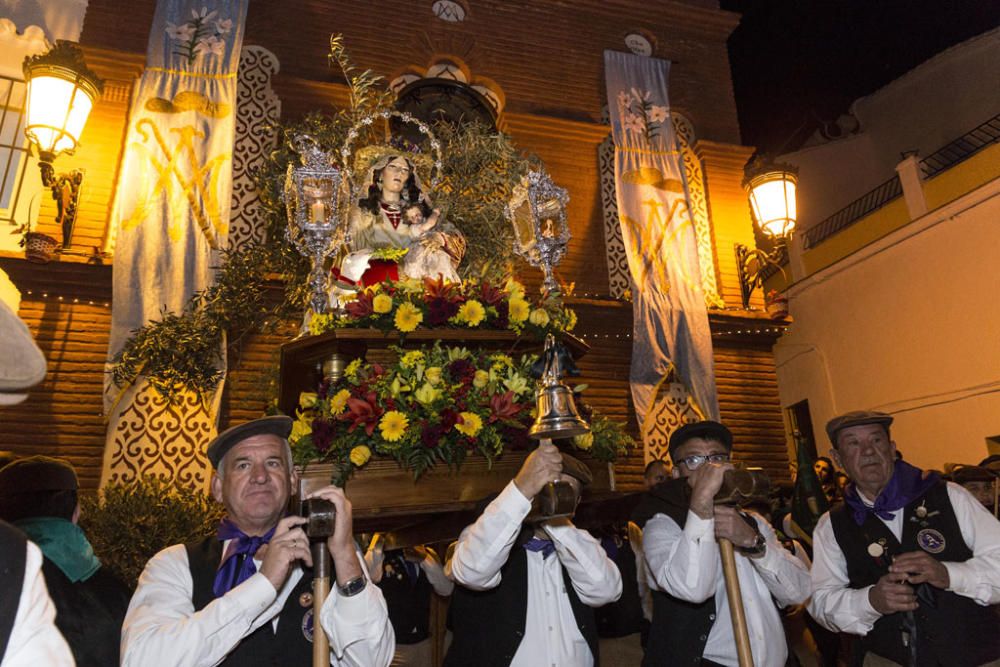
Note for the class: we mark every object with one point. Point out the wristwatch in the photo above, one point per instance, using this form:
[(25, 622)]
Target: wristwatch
[(353, 587), (758, 547)]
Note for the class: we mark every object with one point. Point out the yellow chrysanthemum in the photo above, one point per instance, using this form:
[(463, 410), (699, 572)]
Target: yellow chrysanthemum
[(481, 379), (514, 289), (393, 425), (471, 313), (570, 319), (360, 455), (307, 399), (408, 317), (319, 323), (584, 441), (519, 310), (339, 402), (352, 369), (470, 424), (411, 359), (539, 317), (382, 303)]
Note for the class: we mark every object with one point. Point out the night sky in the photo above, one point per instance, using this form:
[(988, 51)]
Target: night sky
[(798, 64)]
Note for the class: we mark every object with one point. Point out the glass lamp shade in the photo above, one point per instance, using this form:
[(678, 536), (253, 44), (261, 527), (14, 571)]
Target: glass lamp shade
[(772, 200), (61, 93)]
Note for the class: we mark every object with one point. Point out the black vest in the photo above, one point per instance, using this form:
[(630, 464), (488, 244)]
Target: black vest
[(488, 626), (679, 629), (287, 646), (13, 552), (408, 602), (623, 616), (89, 614), (951, 629)]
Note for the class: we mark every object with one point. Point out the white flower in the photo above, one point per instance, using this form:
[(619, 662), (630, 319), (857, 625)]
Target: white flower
[(224, 26), (634, 122), (210, 45), (204, 14), (658, 114), (623, 99), (181, 33)]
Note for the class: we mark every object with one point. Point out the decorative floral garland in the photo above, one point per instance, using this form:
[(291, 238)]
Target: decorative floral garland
[(435, 404), (472, 304)]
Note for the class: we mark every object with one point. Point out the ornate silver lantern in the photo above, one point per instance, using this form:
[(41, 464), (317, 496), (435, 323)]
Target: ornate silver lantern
[(312, 199), (537, 211)]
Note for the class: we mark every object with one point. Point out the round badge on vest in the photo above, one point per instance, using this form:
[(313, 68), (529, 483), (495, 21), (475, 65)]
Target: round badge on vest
[(875, 550), (931, 541), (307, 625)]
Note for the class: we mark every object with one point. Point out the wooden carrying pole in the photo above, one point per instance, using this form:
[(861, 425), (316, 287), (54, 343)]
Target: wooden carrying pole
[(321, 589), (736, 610)]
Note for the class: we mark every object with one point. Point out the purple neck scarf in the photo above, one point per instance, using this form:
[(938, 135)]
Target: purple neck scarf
[(906, 485), (234, 571), (538, 544)]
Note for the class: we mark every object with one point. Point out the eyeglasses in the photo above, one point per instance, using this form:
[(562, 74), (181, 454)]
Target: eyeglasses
[(697, 460)]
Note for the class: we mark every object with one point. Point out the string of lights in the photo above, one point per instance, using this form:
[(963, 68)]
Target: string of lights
[(62, 299)]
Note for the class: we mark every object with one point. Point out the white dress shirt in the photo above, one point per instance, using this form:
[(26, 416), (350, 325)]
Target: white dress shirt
[(35, 640), (641, 578), (551, 635), (686, 564), (162, 628), (843, 609)]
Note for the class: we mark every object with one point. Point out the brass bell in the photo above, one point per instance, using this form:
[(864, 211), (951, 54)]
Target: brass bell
[(555, 410)]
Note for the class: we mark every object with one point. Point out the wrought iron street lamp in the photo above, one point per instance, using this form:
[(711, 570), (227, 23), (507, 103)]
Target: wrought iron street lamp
[(61, 93), (771, 192)]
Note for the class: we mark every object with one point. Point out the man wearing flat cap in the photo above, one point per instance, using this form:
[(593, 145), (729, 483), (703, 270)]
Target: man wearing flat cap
[(524, 595), (38, 494), (681, 524), (243, 597), (909, 562)]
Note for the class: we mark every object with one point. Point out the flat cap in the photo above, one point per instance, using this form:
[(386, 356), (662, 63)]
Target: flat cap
[(991, 462), (856, 418), (574, 467), (278, 425), (964, 474), (37, 473), (708, 430)]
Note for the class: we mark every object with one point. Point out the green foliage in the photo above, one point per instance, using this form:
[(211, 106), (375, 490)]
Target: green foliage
[(130, 522), (480, 169), (610, 439)]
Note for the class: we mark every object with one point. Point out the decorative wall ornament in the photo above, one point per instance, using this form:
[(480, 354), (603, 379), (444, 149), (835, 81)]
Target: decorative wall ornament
[(672, 407), (698, 207), (618, 276), (449, 10), (154, 436), (451, 69), (258, 110)]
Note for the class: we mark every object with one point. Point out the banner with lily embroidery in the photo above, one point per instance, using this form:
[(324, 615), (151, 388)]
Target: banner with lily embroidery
[(171, 213), (672, 341)]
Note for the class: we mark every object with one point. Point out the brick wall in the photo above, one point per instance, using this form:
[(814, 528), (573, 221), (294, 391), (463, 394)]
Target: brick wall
[(547, 58)]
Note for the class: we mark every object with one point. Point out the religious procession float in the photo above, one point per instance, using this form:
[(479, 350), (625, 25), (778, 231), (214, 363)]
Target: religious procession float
[(423, 370)]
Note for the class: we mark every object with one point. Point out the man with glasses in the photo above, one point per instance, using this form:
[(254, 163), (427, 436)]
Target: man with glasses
[(691, 619)]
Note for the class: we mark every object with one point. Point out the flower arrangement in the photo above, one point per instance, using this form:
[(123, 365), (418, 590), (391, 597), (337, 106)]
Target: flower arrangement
[(472, 304), (435, 404)]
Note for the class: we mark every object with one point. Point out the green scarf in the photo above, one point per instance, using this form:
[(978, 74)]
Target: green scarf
[(63, 543)]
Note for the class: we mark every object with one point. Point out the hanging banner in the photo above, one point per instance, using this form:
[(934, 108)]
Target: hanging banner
[(672, 342), (171, 214)]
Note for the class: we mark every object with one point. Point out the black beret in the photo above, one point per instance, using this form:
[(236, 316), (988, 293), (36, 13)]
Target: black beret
[(708, 430), (574, 467), (37, 473), (965, 474), (992, 462), (278, 425), (856, 418)]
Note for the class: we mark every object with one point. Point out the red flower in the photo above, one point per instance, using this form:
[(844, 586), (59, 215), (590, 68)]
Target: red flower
[(322, 434), (437, 288), (362, 412), (440, 310), (490, 295), (503, 407), (462, 371), (361, 306)]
